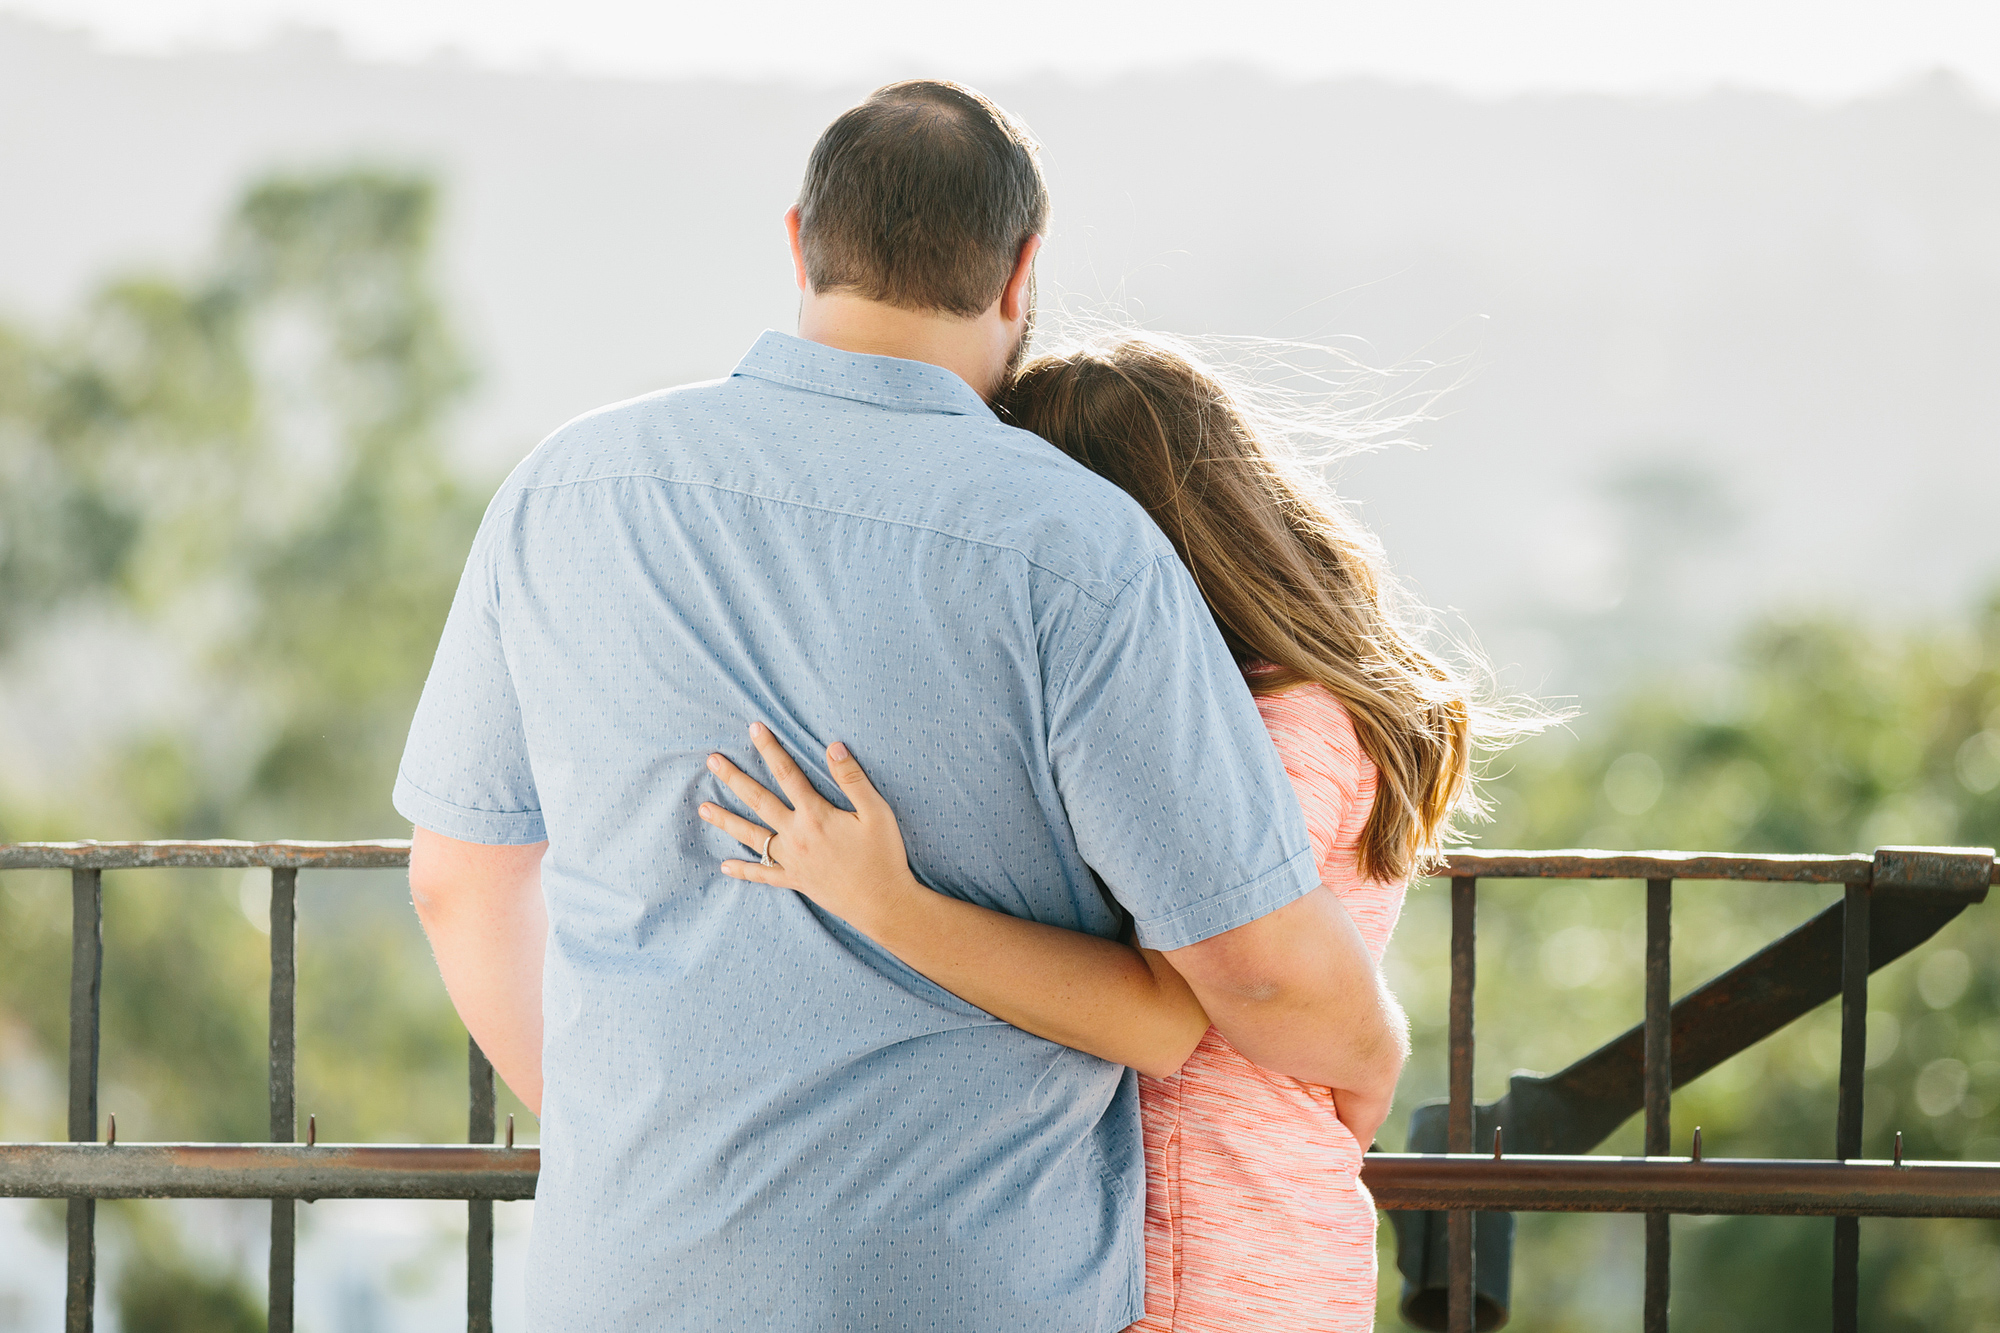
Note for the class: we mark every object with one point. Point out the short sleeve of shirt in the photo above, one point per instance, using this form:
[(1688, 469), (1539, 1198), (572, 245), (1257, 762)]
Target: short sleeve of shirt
[(465, 770), (1176, 796)]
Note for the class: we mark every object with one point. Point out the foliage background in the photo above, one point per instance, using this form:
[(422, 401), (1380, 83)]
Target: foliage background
[(1816, 734), (230, 488), (235, 483)]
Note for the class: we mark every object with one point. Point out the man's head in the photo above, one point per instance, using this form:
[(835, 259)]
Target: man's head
[(921, 197), (928, 200)]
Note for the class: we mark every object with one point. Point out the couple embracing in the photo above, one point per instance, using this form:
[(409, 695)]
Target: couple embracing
[(921, 823)]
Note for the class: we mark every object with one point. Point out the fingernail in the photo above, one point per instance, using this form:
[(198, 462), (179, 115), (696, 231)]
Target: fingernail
[(837, 750), (714, 762), (703, 809), (758, 728)]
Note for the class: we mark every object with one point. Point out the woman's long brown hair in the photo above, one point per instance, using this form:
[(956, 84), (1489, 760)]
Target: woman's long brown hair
[(1291, 580)]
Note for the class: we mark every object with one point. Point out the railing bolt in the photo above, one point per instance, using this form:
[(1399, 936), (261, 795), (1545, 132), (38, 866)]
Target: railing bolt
[(1697, 1144), (510, 1133), (111, 1130), (312, 1130), (1899, 1148), (1496, 1143)]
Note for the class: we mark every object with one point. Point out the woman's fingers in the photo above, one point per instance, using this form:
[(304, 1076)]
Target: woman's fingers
[(736, 826), (847, 772), (753, 793), (775, 876), (754, 836), (791, 781)]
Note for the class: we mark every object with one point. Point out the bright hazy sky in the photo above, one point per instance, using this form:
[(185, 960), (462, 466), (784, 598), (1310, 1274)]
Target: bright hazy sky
[(1817, 48)]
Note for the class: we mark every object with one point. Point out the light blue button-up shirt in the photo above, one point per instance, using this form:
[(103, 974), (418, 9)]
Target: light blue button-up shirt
[(754, 1118)]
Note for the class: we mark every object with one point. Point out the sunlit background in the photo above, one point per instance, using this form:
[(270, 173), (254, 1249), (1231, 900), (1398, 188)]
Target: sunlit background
[(1713, 288)]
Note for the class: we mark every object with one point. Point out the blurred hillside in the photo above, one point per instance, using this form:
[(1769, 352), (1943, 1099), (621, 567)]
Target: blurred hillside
[(1725, 352)]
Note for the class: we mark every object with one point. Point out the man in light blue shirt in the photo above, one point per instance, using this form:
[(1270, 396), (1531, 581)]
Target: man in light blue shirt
[(753, 1117)]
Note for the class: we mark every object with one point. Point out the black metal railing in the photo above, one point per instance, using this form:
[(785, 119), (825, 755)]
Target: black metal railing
[(1541, 1130), (1893, 901), (86, 1170)]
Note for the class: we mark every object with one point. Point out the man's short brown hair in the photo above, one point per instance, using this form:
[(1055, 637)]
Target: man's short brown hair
[(921, 197)]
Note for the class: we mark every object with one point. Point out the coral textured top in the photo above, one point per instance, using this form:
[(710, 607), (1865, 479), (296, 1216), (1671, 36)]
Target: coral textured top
[(1256, 1217)]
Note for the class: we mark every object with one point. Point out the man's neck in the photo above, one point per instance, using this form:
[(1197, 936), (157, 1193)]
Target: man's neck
[(974, 349)]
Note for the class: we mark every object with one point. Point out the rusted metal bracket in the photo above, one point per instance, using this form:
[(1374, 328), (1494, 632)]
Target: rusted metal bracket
[(1938, 873)]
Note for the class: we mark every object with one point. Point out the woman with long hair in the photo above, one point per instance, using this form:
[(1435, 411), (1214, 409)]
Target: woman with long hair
[(1256, 1217)]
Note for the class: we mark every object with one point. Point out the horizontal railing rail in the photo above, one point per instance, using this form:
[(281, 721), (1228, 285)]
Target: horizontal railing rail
[(267, 1171), (216, 854), (1918, 888), (393, 853), (1719, 1185), (1399, 1181)]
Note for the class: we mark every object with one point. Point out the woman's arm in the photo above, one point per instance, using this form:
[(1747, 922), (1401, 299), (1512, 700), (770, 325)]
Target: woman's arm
[(1111, 1000), (1108, 999)]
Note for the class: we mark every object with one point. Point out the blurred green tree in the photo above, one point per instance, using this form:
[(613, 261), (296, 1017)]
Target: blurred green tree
[(245, 475)]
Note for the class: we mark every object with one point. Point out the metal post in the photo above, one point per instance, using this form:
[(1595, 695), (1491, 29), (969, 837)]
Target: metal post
[(1461, 1294), (479, 1212), (1847, 1126), (1659, 1086), (284, 1085), (86, 983)]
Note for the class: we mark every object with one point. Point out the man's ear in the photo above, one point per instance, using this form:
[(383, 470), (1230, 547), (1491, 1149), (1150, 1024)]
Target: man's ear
[(1014, 297), (798, 252)]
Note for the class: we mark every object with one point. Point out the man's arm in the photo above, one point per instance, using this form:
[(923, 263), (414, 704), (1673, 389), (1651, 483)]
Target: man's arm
[(1297, 992), (1179, 801), (482, 908)]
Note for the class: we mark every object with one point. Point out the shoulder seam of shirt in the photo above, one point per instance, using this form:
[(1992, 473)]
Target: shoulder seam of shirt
[(1104, 608), (1103, 602)]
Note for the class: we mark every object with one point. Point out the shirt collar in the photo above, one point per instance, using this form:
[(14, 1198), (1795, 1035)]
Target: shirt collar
[(888, 381)]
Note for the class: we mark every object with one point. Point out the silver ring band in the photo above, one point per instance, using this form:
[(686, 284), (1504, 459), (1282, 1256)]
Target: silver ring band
[(766, 858)]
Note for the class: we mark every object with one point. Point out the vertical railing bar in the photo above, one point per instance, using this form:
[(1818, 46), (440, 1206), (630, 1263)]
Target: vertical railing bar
[(1847, 1123), (1659, 1088), (1659, 1078), (479, 1212), (284, 1086), (1853, 1020), (1460, 1294), (86, 985)]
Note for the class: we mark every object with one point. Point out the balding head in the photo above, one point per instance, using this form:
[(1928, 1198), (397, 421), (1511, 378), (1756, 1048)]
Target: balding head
[(921, 198)]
